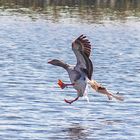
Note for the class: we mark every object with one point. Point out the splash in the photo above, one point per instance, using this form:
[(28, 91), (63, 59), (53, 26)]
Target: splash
[(86, 93)]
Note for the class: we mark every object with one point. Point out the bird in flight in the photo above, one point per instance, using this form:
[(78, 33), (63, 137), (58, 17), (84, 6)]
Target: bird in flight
[(81, 74)]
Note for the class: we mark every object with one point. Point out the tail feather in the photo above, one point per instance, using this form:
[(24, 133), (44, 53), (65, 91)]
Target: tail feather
[(99, 88)]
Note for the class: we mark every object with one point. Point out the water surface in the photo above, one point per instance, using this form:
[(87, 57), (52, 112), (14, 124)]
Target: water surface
[(31, 103)]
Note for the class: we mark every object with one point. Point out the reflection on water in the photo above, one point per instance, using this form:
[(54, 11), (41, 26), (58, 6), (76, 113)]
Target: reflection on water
[(119, 4), (77, 132), (83, 10)]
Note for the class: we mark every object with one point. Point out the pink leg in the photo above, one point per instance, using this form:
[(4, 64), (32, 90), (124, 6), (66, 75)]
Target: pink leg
[(66, 85), (71, 101)]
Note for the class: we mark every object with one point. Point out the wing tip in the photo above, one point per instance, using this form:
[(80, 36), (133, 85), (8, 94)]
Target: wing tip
[(82, 39)]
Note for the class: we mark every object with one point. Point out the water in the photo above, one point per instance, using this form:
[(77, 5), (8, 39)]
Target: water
[(31, 104)]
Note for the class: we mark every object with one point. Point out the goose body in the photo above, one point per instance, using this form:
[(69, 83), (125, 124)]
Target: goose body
[(80, 74), (79, 80)]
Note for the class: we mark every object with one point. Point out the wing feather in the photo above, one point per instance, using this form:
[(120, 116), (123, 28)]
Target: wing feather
[(83, 44), (82, 49)]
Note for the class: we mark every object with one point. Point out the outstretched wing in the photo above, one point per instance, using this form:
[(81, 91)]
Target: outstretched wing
[(82, 49)]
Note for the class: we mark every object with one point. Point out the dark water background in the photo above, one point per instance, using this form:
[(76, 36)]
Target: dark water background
[(31, 104)]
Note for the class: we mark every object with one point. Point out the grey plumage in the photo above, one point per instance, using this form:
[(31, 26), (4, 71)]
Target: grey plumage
[(83, 70)]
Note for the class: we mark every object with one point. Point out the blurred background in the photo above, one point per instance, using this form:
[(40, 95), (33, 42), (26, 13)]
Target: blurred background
[(80, 10)]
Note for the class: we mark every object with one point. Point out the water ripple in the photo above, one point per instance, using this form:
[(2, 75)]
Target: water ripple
[(32, 105)]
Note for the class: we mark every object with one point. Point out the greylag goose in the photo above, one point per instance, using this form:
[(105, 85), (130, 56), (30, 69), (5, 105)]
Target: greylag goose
[(81, 74)]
